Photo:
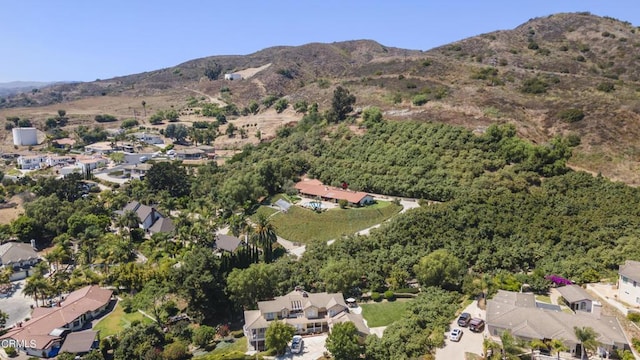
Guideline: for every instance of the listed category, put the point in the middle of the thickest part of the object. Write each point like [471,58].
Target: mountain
[15,87]
[565,74]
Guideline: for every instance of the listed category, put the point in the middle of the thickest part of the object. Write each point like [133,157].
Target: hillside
[562,74]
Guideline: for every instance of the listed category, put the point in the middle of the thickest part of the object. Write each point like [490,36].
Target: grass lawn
[118,320]
[543,298]
[384,313]
[304,225]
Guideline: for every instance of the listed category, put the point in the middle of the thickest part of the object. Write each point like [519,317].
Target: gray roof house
[629,283]
[576,297]
[149,217]
[309,313]
[519,314]
[227,243]
[19,256]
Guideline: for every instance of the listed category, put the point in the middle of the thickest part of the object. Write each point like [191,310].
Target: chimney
[33,244]
[596,309]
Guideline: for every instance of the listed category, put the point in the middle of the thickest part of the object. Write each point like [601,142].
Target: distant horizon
[46,42]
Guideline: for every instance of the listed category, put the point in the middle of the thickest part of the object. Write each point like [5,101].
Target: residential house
[315,189]
[629,283]
[151,139]
[58,160]
[81,342]
[162,225]
[227,243]
[308,312]
[526,319]
[189,154]
[88,164]
[151,220]
[64,143]
[101,148]
[19,256]
[232,76]
[31,162]
[209,151]
[136,171]
[44,334]
[576,298]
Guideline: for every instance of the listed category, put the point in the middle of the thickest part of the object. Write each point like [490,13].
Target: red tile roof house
[314,188]
[43,335]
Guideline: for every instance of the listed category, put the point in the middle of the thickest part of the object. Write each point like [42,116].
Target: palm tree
[557,346]
[144,107]
[489,345]
[35,287]
[128,220]
[588,339]
[265,236]
[537,344]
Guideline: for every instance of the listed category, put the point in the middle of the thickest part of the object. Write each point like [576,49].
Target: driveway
[469,342]
[18,305]
[312,350]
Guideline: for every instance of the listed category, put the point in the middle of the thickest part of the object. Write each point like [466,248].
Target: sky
[84,40]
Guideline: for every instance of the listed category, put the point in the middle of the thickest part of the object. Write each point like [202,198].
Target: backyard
[384,313]
[117,321]
[305,225]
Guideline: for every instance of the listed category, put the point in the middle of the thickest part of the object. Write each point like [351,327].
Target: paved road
[470,341]
[18,305]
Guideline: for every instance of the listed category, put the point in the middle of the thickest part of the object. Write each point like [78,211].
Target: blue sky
[44,40]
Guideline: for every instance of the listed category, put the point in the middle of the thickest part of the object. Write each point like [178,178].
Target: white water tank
[25,136]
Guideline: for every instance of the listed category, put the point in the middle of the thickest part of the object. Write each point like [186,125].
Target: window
[268,316]
[638,300]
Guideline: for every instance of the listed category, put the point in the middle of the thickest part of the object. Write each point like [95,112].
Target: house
[526,319]
[189,154]
[44,334]
[151,220]
[136,171]
[31,162]
[58,160]
[64,143]
[309,313]
[227,243]
[19,256]
[629,283]
[81,342]
[151,139]
[576,298]
[162,225]
[315,189]
[88,164]
[102,148]
[232,76]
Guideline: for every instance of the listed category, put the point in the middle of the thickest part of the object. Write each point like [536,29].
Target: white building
[232,76]
[25,136]
[629,283]
[20,257]
[31,162]
[152,139]
[91,163]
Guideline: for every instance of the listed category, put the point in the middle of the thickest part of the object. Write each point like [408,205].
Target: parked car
[296,344]
[464,319]
[455,335]
[143,159]
[476,325]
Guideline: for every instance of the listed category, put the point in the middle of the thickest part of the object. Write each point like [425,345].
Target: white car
[296,344]
[455,335]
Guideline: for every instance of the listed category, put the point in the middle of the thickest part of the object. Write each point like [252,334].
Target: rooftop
[574,293]
[631,270]
[315,187]
[14,252]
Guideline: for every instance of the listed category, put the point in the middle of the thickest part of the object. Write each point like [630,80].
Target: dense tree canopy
[169,176]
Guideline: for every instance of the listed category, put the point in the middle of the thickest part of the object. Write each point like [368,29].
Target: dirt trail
[211,98]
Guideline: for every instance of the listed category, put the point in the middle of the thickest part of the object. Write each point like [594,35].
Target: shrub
[11,351]
[426,63]
[129,123]
[533,45]
[564,48]
[281,105]
[636,343]
[419,100]
[408,291]
[269,100]
[389,295]
[634,316]
[375,296]
[237,334]
[580,58]
[535,85]
[105,118]
[606,87]
[343,203]
[571,115]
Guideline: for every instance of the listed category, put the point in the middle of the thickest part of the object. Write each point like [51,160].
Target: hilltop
[565,74]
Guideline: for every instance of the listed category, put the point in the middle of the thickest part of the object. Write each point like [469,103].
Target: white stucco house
[20,257]
[629,283]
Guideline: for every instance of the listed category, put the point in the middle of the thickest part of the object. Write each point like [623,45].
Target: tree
[3,319]
[342,342]
[177,132]
[278,335]
[144,108]
[440,268]
[169,176]
[248,286]
[171,115]
[557,346]
[231,129]
[587,338]
[137,341]
[371,116]
[203,335]
[342,103]
[265,236]
[340,275]
[281,105]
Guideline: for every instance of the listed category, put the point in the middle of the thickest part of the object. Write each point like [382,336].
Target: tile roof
[44,321]
[313,187]
[162,225]
[13,252]
[631,270]
[356,319]
[297,300]
[79,342]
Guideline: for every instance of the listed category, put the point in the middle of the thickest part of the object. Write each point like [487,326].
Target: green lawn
[118,320]
[543,298]
[304,225]
[239,346]
[384,313]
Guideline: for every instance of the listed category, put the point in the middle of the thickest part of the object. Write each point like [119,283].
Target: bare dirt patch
[10,213]
[248,73]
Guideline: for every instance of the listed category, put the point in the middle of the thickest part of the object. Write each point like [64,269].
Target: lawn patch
[304,225]
[384,313]
[118,320]
[226,350]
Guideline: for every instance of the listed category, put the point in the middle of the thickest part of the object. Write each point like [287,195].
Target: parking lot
[470,342]
[312,350]
[17,305]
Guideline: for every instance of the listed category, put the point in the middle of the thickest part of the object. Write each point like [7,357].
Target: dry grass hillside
[558,75]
